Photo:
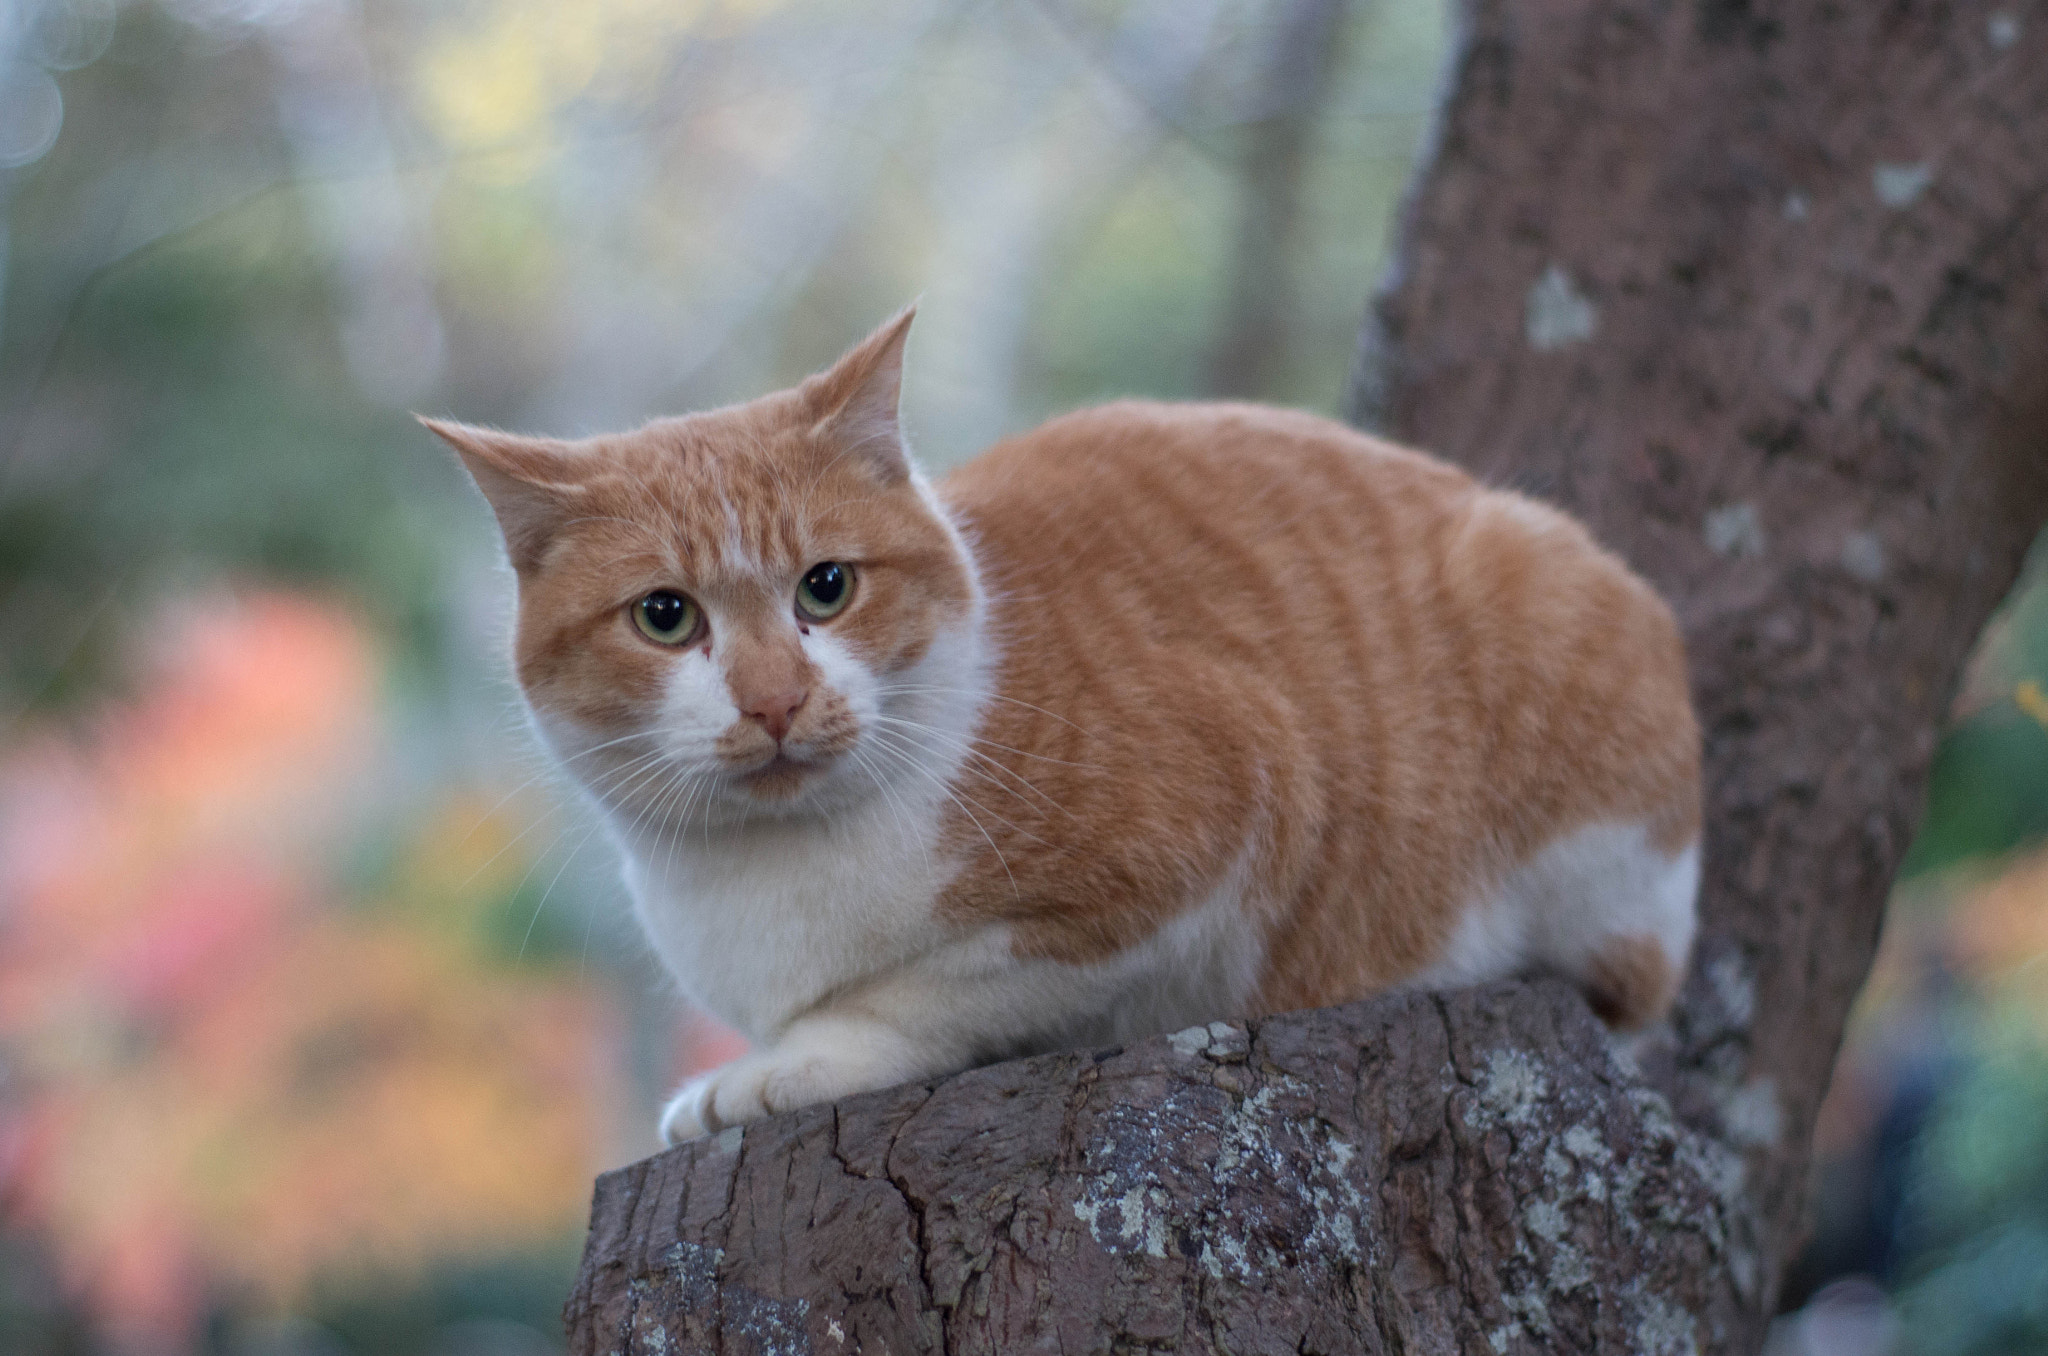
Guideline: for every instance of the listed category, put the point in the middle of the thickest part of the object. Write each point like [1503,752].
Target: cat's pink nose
[775,711]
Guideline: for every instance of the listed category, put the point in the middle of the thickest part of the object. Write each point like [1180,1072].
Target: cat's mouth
[780,777]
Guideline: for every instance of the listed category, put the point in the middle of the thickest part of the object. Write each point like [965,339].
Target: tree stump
[1759,290]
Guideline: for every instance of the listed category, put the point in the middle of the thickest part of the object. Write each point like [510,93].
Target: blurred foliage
[237,1068]
[505,1306]
[1988,790]
[1950,1045]
[1978,1280]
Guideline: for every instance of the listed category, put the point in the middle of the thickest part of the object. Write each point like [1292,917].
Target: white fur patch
[696,706]
[1559,909]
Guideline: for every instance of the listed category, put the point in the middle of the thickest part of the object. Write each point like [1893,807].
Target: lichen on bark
[1477,1171]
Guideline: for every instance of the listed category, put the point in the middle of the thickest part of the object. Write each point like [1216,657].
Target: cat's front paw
[682,1117]
[817,1061]
[747,1089]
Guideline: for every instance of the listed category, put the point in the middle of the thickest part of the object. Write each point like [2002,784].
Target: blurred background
[319,1005]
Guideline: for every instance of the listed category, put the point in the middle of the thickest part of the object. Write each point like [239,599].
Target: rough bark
[1423,1174]
[1761,291]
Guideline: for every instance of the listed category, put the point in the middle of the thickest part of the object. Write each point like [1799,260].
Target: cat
[1157,714]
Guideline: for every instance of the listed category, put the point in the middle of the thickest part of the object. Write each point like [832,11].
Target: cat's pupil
[826,582]
[664,611]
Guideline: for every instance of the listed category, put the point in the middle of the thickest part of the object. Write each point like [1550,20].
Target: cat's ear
[531,483]
[854,400]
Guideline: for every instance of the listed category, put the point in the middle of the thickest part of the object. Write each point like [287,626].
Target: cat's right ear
[530,483]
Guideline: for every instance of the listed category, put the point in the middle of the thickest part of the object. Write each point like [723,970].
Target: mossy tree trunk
[1761,291]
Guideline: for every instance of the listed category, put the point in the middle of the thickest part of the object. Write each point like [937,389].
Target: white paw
[816,1061]
[747,1089]
[683,1116]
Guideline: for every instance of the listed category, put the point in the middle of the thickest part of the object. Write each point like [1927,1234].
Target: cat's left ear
[855,399]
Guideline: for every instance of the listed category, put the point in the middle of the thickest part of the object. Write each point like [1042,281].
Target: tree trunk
[1761,291]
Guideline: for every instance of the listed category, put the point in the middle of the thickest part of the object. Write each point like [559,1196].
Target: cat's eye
[825,590]
[667,618]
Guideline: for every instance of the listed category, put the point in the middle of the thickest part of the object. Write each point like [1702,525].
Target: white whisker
[948,794]
[966,748]
[895,689]
[612,776]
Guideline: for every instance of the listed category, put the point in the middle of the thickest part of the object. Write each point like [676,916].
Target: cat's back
[1285,543]
[1201,519]
[1227,515]
[1235,614]
[1139,475]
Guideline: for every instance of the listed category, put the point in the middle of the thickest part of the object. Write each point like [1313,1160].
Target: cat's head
[721,615]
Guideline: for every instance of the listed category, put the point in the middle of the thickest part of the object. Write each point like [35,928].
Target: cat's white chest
[758,923]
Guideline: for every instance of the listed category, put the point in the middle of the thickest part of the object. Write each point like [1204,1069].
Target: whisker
[947,792]
[965,769]
[667,777]
[613,518]
[967,749]
[661,556]
[581,843]
[612,777]
[905,748]
[661,760]
[656,813]
[692,782]
[547,764]
[894,689]
[896,806]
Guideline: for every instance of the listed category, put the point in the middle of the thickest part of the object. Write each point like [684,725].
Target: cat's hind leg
[1602,906]
[1615,914]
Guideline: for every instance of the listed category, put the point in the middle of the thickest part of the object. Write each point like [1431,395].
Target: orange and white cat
[1153,715]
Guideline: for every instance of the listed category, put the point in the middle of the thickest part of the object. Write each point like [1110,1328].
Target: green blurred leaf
[1987,793]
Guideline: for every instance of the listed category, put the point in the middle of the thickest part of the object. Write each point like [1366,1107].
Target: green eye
[667,618]
[825,590]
